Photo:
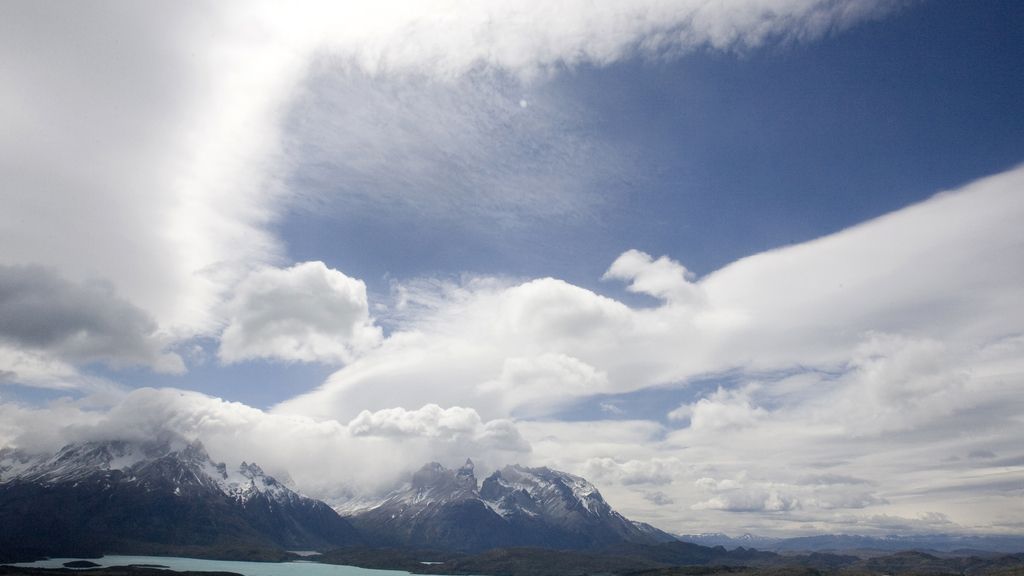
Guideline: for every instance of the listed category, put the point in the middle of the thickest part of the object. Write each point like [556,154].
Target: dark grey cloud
[41,312]
[659,498]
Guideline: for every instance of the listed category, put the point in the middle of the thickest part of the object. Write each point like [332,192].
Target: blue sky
[650,243]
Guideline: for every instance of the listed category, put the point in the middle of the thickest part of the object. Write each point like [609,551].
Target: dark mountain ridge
[956,544]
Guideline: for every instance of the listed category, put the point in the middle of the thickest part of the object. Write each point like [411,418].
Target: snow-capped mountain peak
[249,481]
[517,489]
[156,485]
[76,462]
[186,465]
[516,505]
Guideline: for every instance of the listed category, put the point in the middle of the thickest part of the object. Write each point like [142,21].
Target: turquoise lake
[245,568]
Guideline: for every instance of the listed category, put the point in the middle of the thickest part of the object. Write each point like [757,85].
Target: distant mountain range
[945,543]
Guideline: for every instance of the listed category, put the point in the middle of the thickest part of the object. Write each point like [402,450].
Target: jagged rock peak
[195,450]
[251,470]
[433,476]
[465,474]
[518,489]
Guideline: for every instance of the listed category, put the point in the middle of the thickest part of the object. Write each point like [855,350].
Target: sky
[748,266]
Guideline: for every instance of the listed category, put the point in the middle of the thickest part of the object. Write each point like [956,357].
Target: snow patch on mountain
[76,462]
[543,491]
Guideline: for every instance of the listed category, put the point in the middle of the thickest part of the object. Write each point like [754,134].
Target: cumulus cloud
[895,382]
[770,501]
[432,421]
[662,278]
[307,312]
[722,409]
[505,347]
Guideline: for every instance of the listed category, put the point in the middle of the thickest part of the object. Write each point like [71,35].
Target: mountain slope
[515,506]
[120,495]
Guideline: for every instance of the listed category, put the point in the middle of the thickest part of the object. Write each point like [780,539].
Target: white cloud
[449,39]
[336,461]
[656,471]
[544,377]
[723,409]
[662,278]
[129,160]
[308,312]
[838,303]
[749,502]
[503,347]
[432,421]
[863,354]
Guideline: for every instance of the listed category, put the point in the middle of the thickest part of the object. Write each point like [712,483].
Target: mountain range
[170,497]
[943,543]
[134,496]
